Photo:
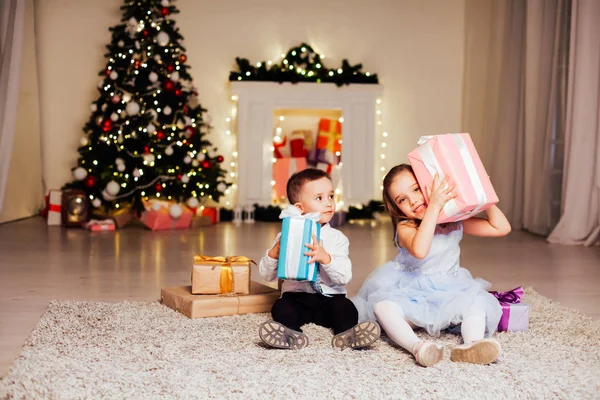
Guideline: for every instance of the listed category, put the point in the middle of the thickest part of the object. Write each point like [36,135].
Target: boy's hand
[274,252]
[317,253]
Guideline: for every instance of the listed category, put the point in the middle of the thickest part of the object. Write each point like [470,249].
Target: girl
[425,286]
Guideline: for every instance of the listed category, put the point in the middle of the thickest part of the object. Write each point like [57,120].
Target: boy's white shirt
[334,276]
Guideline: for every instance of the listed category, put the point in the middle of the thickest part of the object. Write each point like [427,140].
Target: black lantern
[75,208]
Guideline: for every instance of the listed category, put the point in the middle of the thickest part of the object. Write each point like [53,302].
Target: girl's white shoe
[484,351]
[428,353]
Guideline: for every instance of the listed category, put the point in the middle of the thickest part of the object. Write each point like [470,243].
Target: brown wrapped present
[220,275]
[180,298]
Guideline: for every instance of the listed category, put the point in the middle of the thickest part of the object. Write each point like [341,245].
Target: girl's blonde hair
[390,206]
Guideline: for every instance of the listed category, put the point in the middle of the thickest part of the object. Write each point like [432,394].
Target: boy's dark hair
[299,179]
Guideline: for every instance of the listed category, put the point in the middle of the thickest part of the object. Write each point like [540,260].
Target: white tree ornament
[175,211]
[162,38]
[132,108]
[193,202]
[112,188]
[79,173]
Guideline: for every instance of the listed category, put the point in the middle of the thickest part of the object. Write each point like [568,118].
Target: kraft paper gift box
[156,216]
[54,208]
[283,168]
[515,315]
[199,221]
[221,275]
[296,232]
[454,155]
[180,298]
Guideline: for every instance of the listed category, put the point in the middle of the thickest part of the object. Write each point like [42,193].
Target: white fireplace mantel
[257,102]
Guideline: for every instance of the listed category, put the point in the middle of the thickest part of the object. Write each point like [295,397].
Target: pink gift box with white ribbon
[454,155]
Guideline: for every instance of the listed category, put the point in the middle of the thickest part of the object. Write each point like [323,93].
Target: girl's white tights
[391,317]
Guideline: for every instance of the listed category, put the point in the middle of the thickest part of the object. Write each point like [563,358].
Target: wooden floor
[39,264]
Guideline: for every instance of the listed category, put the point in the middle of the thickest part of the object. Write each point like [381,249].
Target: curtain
[11,38]
[580,220]
[23,194]
[511,102]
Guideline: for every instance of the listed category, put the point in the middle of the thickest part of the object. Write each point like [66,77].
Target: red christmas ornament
[158,187]
[183,58]
[160,135]
[137,63]
[164,11]
[205,164]
[220,159]
[146,150]
[107,72]
[106,125]
[115,99]
[179,176]
[185,109]
[169,86]
[178,92]
[145,32]
[170,68]
[90,181]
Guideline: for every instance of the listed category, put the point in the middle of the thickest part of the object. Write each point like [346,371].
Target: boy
[323,302]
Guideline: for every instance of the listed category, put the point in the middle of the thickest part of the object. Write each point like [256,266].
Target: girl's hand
[439,193]
[317,253]
[274,252]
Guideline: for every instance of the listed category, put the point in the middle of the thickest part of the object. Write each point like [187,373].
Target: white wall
[415,46]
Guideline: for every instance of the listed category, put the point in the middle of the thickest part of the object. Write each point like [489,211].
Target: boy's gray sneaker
[359,336]
[279,336]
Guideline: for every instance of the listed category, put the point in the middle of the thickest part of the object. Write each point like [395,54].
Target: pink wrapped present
[159,216]
[515,315]
[97,225]
[454,155]
[283,168]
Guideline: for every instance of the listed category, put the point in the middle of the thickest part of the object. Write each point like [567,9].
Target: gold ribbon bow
[226,278]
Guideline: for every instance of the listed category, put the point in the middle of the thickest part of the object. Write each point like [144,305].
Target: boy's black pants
[295,309]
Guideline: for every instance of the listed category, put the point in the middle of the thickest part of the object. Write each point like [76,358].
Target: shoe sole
[481,352]
[431,356]
[279,336]
[359,336]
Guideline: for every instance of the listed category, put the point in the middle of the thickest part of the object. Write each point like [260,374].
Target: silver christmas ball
[153,77]
[120,167]
[156,206]
[120,43]
[114,117]
[96,203]
[169,151]
[201,156]
[195,163]
[167,110]
[187,159]
[84,141]
[93,107]
[136,173]
[221,187]
[114,75]
[151,128]
[175,76]
[185,178]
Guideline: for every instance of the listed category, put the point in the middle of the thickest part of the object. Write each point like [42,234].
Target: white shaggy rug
[147,351]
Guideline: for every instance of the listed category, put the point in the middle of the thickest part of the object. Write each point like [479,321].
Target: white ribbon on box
[432,165]
[294,249]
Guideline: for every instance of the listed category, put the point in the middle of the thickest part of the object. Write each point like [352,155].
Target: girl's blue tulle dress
[435,292]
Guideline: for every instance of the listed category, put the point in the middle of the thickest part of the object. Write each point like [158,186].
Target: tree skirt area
[83,349]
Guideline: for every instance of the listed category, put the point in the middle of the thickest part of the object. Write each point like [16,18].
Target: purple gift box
[515,315]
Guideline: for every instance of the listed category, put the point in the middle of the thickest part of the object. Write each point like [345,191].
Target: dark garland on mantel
[301,64]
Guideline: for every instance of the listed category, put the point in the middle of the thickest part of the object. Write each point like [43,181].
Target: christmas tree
[146,137]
